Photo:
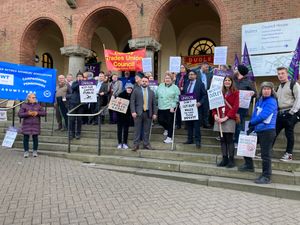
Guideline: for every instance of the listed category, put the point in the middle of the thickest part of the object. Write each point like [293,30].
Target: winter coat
[31,125]
[121,117]
[233,99]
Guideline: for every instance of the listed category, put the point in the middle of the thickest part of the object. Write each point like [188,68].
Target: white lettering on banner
[6,79]
[118,104]
[247,145]
[189,109]
[215,98]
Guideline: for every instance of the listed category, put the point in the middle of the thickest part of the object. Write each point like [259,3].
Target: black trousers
[76,122]
[287,122]
[123,128]
[63,110]
[35,141]
[166,120]
[265,139]
[204,113]
[193,130]
[227,145]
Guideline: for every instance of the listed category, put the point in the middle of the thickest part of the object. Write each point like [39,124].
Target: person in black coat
[124,120]
[196,87]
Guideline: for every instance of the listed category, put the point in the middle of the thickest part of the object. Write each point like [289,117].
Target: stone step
[279,177]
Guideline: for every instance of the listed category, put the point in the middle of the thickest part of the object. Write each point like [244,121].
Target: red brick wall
[17,17]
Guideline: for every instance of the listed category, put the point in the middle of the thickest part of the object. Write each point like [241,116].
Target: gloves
[250,130]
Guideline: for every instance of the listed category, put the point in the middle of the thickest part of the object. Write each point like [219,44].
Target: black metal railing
[13,108]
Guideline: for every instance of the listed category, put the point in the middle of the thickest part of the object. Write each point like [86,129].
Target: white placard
[3,116]
[215,98]
[147,65]
[220,56]
[271,37]
[247,145]
[245,99]
[189,110]
[174,64]
[87,90]
[10,137]
[217,82]
[118,104]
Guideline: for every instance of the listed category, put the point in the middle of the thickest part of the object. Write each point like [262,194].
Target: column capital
[144,42]
[75,50]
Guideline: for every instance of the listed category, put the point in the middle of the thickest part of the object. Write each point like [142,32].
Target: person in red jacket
[227,120]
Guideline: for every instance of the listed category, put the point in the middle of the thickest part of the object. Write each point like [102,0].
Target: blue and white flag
[17,81]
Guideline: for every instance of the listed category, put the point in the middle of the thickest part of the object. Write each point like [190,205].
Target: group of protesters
[275,110]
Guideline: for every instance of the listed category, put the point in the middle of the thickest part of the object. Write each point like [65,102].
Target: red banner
[119,61]
[195,60]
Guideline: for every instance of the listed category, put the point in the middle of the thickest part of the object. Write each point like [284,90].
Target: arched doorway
[41,43]
[105,27]
[182,23]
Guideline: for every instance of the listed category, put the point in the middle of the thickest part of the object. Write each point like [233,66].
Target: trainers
[26,154]
[235,145]
[286,157]
[34,154]
[218,138]
[165,133]
[168,140]
[119,146]
[263,180]
[125,146]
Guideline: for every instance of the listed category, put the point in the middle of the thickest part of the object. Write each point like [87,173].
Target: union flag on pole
[246,62]
[294,66]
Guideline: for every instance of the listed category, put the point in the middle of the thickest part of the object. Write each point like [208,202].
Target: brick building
[62,33]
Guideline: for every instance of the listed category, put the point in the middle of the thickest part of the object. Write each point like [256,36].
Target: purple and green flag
[246,62]
[294,66]
[236,62]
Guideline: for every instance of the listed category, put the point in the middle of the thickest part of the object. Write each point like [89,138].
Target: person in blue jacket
[263,122]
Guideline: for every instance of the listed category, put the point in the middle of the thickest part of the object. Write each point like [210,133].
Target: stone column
[149,43]
[77,57]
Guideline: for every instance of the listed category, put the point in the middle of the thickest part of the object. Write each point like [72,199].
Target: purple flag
[236,62]
[294,66]
[246,62]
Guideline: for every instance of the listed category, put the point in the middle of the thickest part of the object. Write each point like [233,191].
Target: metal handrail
[6,100]
[70,114]
[14,112]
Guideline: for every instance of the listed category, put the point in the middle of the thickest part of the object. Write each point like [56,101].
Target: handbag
[237,116]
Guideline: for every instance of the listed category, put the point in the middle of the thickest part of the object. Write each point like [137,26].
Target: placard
[3,116]
[220,56]
[147,65]
[118,104]
[87,90]
[174,64]
[215,98]
[217,82]
[153,85]
[188,107]
[10,137]
[245,99]
[247,145]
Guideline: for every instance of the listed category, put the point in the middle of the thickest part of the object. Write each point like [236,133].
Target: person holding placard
[115,88]
[226,118]
[30,113]
[124,120]
[263,122]
[196,87]
[167,95]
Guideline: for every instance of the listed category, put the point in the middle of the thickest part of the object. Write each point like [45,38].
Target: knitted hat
[267,84]
[140,74]
[243,70]
[128,85]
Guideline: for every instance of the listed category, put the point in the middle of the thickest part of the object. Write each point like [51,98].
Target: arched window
[202,46]
[47,61]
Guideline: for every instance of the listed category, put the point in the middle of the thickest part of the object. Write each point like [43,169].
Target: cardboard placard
[247,145]
[10,137]
[87,89]
[118,104]
[217,82]
[215,98]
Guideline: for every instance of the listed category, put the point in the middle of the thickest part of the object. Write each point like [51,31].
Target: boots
[224,162]
[231,162]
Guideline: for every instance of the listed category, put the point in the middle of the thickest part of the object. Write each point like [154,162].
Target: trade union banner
[195,60]
[17,81]
[119,61]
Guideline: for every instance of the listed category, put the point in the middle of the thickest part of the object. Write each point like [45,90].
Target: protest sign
[247,145]
[153,85]
[3,116]
[215,98]
[174,64]
[220,56]
[87,90]
[245,99]
[118,104]
[119,61]
[147,65]
[188,107]
[217,82]
[17,81]
[10,137]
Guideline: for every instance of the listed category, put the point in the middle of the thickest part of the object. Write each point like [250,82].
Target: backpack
[292,84]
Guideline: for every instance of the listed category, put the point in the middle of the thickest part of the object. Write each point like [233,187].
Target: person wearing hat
[123,120]
[263,122]
[242,82]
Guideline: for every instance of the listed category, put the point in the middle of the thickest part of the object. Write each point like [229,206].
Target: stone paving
[54,191]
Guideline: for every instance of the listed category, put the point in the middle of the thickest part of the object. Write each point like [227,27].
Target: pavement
[52,191]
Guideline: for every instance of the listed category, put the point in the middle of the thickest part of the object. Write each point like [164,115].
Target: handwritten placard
[247,145]
[188,107]
[10,137]
[215,98]
[87,90]
[220,56]
[174,64]
[118,104]
[147,65]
